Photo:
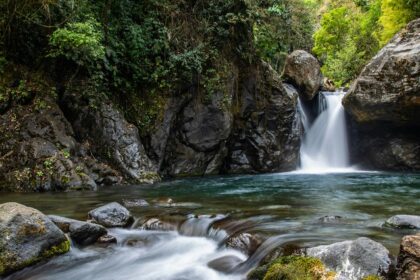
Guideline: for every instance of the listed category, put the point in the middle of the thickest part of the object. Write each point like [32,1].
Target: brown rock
[408,266]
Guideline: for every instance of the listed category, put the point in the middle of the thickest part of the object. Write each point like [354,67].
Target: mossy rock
[292,268]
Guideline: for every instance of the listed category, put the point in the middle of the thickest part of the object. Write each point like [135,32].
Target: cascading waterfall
[325,144]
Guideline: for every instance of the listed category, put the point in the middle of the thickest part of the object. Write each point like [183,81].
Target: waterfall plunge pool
[284,208]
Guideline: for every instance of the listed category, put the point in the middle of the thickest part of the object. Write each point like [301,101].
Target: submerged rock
[408,266]
[404,221]
[304,72]
[82,233]
[106,239]
[26,237]
[331,219]
[112,215]
[354,259]
[135,203]
[225,264]
[244,242]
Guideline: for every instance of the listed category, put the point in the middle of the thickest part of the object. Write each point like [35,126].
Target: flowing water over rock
[325,143]
[286,211]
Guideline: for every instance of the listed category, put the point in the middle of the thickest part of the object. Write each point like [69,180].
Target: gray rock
[244,242]
[408,266]
[304,72]
[107,239]
[135,203]
[353,260]
[330,219]
[225,264]
[111,215]
[404,221]
[26,237]
[81,233]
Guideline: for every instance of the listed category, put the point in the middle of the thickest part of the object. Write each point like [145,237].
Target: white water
[325,143]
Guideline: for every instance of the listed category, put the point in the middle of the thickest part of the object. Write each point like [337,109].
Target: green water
[275,203]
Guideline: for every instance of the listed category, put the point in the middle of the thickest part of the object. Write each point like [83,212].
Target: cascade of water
[325,144]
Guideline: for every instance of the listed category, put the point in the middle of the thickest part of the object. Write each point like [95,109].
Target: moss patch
[62,248]
[293,268]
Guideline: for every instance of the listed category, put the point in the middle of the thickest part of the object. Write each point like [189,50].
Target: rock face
[82,233]
[38,151]
[111,138]
[111,215]
[27,237]
[404,221]
[354,259]
[304,72]
[408,267]
[384,104]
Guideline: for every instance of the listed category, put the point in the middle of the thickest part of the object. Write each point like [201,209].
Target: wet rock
[330,219]
[26,237]
[164,202]
[354,259]
[82,233]
[135,203]
[408,266]
[328,85]
[157,224]
[404,221]
[107,239]
[388,88]
[225,264]
[303,71]
[112,215]
[244,242]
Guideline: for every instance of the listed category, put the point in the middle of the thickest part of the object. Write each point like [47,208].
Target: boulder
[303,71]
[245,242]
[82,233]
[408,266]
[111,215]
[26,237]
[404,221]
[384,106]
[388,88]
[354,259]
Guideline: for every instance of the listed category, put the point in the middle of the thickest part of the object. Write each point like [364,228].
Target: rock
[388,88]
[408,266]
[266,130]
[225,264]
[112,215]
[354,259]
[244,242]
[404,221]
[384,106]
[157,224]
[303,71]
[328,85]
[135,203]
[107,239]
[112,138]
[82,233]
[26,237]
[330,219]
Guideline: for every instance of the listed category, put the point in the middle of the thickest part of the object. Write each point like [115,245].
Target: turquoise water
[273,205]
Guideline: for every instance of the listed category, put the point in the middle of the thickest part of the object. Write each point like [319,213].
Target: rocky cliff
[384,105]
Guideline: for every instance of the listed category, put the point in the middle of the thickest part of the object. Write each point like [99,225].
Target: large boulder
[26,237]
[304,72]
[111,215]
[408,266]
[82,233]
[384,106]
[404,221]
[354,259]
[388,88]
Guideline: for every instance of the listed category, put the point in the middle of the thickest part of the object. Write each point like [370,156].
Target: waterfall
[325,143]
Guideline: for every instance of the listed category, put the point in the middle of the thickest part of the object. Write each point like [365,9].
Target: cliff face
[384,104]
[72,142]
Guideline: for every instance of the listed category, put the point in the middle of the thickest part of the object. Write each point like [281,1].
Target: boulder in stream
[111,215]
[26,237]
[404,221]
[354,259]
[82,233]
[245,242]
[408,267]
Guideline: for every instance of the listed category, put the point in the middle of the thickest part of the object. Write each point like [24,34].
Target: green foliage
[80,42]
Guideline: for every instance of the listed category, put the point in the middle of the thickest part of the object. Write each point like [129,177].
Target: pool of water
[284,208]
